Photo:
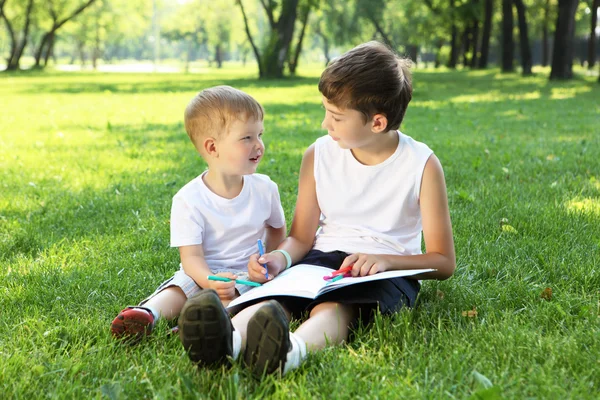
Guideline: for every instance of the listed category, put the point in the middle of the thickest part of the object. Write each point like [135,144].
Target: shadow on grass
[140,84]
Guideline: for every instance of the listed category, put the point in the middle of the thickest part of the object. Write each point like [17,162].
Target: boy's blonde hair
[370,79]
[211,111]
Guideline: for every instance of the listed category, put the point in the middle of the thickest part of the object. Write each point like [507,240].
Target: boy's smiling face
[347,126]
[239,151]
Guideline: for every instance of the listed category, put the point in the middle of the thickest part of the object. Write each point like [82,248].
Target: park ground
[89,163]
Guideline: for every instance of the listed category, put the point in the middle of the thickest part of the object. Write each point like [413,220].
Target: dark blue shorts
[387,295]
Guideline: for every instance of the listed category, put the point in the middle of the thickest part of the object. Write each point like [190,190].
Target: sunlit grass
[587,206]
[89,163]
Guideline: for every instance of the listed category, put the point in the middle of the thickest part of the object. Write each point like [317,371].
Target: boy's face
[346,126]
[241,148]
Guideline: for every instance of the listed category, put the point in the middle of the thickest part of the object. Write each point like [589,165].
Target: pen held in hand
[261,252]
[240,281]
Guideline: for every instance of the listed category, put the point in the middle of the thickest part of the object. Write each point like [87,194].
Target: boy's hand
[225,290]
[257,272]
[365,264]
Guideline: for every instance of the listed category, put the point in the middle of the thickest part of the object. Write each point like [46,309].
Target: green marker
[335,279]
[240,281]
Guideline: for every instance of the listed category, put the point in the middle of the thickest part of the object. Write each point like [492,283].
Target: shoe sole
[268,340]
[205,329]
[131,329]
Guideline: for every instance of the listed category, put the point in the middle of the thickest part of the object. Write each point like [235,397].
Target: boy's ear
[210,147]
[379,123]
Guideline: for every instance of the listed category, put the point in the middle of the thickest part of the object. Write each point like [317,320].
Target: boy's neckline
[383,161]
[221,193]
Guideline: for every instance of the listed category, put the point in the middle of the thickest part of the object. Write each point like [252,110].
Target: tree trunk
[523,38]
[11,34]
[592,41]
[413,52]
[487,33]
[276,50]
[80,48]
[453,39]
[545,41]
[56,25]
[249,35]
[466,45]
[475,43]
[96,50]
[40,50]
[188,56]
[18,47]
[293,63]
[438,50]
[381,32]
[218,56]
[325,46]
[49,49]
[507,36]
[562,54]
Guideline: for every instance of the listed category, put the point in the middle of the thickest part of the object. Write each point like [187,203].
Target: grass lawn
[89,163]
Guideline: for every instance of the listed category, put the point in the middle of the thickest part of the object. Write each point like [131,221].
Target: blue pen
[261,252]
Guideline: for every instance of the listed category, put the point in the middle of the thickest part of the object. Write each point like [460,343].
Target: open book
[304,280]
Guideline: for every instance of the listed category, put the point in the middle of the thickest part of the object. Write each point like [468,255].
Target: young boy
[218,217]
[374,192]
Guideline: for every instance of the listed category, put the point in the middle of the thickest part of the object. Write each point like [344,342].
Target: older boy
[374,192]
[218,217]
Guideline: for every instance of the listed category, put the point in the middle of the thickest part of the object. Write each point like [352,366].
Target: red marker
[342,270]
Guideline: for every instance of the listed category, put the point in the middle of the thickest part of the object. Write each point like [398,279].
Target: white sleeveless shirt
[370,209]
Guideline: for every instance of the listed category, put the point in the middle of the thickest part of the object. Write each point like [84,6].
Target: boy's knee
[333,307]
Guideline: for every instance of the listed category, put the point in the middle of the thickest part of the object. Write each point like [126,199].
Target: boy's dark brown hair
[371,79]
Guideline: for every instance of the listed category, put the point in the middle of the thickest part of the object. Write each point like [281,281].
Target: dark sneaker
[205,329]
[268,340]
[132,324]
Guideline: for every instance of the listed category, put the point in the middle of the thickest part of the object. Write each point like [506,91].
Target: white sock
[154,313]
[236,338]
[296,355]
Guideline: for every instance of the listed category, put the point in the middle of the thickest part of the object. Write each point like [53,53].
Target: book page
[382,275]
[301,280]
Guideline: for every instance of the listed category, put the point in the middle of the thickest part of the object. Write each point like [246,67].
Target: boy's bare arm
[437,234]
[195,266]
[274,237]
[305,222]
[307,212]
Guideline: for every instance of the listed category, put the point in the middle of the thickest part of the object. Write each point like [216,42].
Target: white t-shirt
[227,229]
[370,209]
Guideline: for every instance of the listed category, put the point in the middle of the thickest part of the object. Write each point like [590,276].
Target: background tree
[507,37]
[595,7]
[562,54]
[305,8]
[545,35]
[18,42]
[186,26]
[271,58]
[486,34]
[60,12]
[107,30]
[526,61]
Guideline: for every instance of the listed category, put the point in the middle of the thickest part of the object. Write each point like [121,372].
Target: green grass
[88,166]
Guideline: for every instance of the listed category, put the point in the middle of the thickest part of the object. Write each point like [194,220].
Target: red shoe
[132,324]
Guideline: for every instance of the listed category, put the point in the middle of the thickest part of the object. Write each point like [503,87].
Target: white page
[304,280]
[381,275]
